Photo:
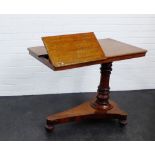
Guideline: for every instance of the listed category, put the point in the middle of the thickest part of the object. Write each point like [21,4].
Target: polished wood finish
[86,111]
[102,98]
[100,107]
[66,50]
[78,50]
[113,51]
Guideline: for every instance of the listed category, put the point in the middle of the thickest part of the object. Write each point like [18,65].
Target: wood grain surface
[113,51]
[114,48]
[65,50]
[77,50]
[85,111]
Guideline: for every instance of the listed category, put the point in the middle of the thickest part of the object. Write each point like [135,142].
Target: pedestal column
[102,98]
[96,108]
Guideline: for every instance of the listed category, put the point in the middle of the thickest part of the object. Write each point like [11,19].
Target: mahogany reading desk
[83,49]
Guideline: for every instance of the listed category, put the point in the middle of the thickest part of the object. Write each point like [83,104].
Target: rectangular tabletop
[112,51]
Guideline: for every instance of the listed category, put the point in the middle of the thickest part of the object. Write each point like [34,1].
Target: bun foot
[123,122]
[49,128]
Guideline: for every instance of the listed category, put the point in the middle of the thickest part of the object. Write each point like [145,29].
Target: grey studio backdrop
[21,74]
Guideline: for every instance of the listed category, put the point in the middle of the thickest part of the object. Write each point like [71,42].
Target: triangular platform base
[86,111]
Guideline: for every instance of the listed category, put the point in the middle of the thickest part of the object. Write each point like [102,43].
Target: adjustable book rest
[77,50]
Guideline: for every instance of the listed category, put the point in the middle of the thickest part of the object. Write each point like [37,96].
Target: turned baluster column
[102,98]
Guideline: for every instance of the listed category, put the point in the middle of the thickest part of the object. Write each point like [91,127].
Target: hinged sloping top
[73,49]
[77,50]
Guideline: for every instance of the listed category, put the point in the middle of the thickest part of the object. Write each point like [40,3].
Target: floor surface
[23,118]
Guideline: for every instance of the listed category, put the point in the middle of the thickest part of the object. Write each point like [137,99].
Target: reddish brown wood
[86,111]
[100,107]
[102,99]
[78,50]
[113,51]
[72,49]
